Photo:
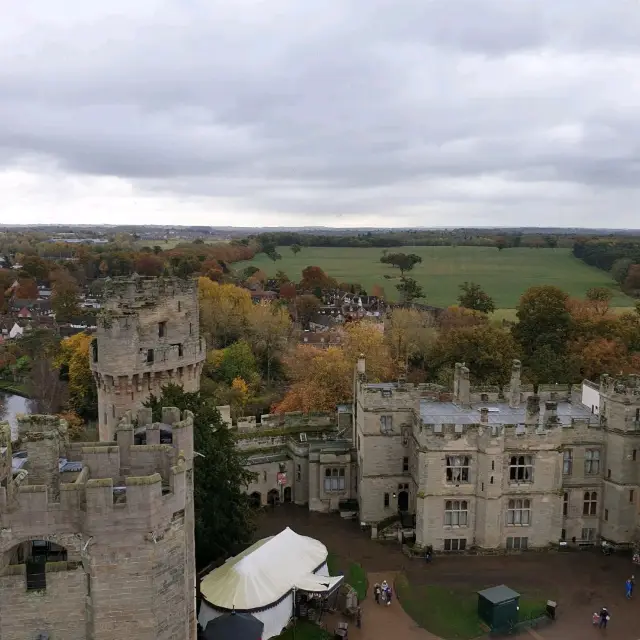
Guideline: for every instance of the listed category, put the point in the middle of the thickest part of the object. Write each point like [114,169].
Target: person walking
[604,618]
[385,592]
[628,587]
[376,592]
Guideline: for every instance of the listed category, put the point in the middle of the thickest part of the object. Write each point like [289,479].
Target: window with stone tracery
[521,469]
[458,469]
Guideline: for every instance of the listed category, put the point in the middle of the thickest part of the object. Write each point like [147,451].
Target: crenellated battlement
[621,387]
[442,436]
[80,487]
[142,291]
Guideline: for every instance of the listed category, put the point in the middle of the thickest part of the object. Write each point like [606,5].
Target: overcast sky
[308,112]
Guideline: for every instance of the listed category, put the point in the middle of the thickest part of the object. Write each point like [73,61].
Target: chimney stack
[550,415]
[456,381]
[484,415]
[362,365]
[514,388]
[464,387]
[532,414]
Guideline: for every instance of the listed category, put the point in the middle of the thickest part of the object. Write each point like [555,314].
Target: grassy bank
[505,275]
[16,388]
[452,614]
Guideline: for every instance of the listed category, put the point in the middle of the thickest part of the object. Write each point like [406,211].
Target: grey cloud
[317,108]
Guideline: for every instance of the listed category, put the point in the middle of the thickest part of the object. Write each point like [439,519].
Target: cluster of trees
[85,263]
[247,343]
[558,338]
[620,257]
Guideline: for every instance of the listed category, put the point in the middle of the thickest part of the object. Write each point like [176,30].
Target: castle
[96,539]
[148,336]
[489,468]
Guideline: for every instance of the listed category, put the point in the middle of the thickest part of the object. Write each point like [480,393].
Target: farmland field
[505,275]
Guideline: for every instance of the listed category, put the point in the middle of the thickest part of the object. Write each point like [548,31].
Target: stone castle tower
[96,539]
[620,418]
[148,336]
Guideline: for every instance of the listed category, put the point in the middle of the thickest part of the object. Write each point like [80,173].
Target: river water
[10,406]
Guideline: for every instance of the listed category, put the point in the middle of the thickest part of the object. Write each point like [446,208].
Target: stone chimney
[514,387]
[550,418]
[464,387]
[362,365]
[532,414]
[456,381]
[484,415]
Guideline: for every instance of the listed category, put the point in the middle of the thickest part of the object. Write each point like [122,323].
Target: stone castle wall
[130,565]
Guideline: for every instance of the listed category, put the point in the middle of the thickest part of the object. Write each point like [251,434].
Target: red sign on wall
[282,478]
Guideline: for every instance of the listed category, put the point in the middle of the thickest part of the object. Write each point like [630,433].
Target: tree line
[500,239]
[619,256]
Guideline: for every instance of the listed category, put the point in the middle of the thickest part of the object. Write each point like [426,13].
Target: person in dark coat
[604,617]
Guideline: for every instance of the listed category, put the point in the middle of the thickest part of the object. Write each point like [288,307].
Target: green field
[505,275]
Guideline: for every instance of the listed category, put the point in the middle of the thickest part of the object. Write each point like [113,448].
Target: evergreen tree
[224,518]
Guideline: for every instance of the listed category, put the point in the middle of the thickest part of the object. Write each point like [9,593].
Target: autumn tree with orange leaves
[322,378]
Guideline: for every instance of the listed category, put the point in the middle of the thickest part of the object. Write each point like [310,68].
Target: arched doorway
[403,501]
[255,499]
[273,497]
[287,494]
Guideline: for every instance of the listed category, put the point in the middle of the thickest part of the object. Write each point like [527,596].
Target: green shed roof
[498,595]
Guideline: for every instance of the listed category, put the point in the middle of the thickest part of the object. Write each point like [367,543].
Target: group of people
[382,593]
[601,619]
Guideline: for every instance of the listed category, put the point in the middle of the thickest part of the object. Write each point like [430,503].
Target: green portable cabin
[498,606]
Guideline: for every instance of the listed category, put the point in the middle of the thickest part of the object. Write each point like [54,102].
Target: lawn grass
[451,614]
[355,575]
[16,388]
[505,275]
[357,578]
[305,630]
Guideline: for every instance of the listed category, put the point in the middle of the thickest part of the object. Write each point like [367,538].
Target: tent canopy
[234,626]
[267,571]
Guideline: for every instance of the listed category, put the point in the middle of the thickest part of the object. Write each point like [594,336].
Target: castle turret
[148,336]
[620,418]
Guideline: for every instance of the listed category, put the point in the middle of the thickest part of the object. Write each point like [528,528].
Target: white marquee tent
[263,579]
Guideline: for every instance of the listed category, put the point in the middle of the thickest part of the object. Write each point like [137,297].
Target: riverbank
[16,388]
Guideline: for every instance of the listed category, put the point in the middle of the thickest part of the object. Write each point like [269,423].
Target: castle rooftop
[498,413]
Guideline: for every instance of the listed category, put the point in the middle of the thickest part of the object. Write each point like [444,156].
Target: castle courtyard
[580,582]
